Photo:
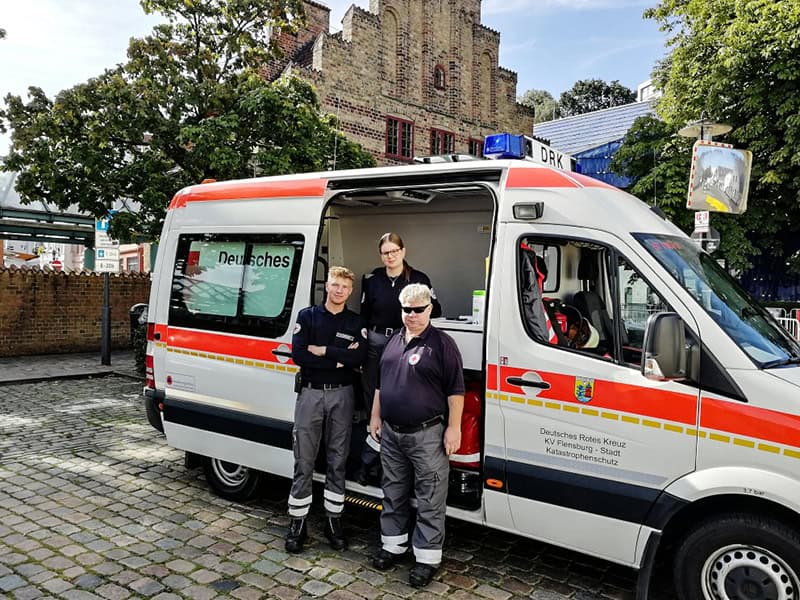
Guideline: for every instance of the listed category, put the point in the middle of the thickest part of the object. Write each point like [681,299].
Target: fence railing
[792,325]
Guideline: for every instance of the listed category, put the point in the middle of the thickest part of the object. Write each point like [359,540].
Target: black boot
[421,574]
[296,535]
[334,533]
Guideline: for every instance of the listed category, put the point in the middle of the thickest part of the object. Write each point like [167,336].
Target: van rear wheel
[229,480]
[739,556]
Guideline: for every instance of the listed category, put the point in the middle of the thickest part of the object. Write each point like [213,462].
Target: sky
[550,44]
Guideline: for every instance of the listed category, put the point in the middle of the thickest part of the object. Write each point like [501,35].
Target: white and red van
[678,429]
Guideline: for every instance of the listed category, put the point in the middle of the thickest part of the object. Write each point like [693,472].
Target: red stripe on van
[245,190]
[214,343]
[587,181]
[533,177]
[750,421]
[634,399]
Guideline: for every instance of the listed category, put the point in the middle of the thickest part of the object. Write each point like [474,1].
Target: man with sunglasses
[416,415]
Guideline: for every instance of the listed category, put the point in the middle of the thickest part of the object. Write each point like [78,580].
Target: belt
[415,428]
[387,331]
[324,386]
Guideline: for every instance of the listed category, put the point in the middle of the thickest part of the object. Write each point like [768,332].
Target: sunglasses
[417,309]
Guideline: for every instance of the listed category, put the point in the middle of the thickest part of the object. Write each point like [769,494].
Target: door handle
[542,385]
[282,353]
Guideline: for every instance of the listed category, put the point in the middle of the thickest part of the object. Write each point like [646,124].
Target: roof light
[504,145]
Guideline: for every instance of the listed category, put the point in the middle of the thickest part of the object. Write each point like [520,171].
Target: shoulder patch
[368,275]
[297,328]
[364,332]
[433,294]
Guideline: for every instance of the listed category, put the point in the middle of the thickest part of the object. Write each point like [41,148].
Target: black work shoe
[334,533]
[384,560]
[296,536]
[421,574]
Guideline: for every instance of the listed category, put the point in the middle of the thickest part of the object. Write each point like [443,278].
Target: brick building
[407,77]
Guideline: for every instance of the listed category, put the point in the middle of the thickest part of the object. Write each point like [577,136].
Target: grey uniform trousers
[315,410]
[414,461]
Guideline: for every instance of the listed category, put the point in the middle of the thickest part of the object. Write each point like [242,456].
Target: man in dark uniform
[416,414]
[329,341]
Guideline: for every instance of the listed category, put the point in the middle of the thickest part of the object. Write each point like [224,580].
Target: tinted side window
[235,283]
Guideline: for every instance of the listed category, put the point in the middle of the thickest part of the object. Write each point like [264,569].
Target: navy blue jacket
[380,298]
[316,326]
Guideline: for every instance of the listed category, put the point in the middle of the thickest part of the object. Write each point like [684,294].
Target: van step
[363,501]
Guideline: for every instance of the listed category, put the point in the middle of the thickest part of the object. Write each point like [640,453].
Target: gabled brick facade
[429,63]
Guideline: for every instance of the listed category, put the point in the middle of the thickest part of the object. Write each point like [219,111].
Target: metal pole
[105,323]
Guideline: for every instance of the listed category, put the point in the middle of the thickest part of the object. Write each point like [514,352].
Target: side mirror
[664,357]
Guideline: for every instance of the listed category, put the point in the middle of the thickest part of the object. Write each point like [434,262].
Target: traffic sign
[107,253]
[702,221]
[106,266]
[56,265]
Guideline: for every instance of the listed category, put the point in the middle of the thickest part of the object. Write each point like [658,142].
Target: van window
[638,300]
[235,283]
[578,312]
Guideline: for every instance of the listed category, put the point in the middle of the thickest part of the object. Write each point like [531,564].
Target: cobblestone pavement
[94,504]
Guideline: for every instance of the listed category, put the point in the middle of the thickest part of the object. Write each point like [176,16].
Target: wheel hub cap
[748,573]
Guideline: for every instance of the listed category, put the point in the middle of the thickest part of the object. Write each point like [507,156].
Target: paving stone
[111,591]
[284,593]
[204,576]
[146,586]
[259,581]
[266,566]
[88,581]
[199,592]
[11,582]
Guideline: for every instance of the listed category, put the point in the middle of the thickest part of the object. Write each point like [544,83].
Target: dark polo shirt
[415,379]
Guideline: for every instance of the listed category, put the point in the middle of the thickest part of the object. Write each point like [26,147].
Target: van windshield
[745,321]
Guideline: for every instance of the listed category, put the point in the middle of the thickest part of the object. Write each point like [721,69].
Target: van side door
[590,443]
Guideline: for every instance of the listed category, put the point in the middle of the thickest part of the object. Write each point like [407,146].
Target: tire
[153,414]
[229,480]
[739,556]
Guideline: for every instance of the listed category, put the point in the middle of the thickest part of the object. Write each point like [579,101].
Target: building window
[132,264]
[441,142]
[399,138]
[438,77]
[476,147]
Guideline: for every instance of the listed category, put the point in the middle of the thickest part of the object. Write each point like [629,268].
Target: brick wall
[42,312]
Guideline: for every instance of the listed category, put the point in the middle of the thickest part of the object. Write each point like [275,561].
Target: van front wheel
[738,557]
[229,480]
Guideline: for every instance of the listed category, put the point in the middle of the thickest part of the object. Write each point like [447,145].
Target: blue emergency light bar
[504,145]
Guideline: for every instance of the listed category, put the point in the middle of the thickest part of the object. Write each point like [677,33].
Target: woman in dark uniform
[380,308]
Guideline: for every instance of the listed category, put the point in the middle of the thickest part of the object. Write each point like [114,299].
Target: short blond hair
[415,292]
[341,273]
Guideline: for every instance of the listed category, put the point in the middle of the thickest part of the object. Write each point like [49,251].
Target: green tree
[737,61]
[188,105]
[545,107]
[589,95]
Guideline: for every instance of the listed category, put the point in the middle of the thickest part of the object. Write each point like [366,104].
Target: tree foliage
[188,105]
[737,62]
[545,107]
[588,95]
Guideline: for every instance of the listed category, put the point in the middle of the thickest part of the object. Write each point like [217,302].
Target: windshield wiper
[782,362]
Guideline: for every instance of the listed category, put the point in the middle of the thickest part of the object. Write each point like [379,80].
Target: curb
[71,376]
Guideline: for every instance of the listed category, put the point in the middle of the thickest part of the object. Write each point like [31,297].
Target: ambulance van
[672,430]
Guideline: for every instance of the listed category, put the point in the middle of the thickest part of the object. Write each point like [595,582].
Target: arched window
[438,77]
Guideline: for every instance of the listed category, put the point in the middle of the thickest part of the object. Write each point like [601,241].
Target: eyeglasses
[391,252]
[417,309]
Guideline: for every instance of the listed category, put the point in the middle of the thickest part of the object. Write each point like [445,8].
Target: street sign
[702,221]
[106,266]
[56,265]
[107,253]
[707,240]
